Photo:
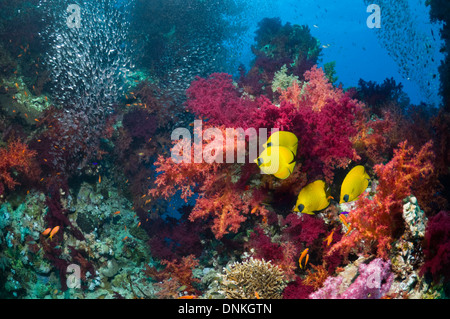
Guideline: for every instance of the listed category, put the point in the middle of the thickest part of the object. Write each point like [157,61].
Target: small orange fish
[254,210]
[329,238]
[26,115]
[46,98]
[26,94]
[46,232]
[343,220]
[99,179]
[17,85]
[265,220]
[349,229]
[257,295]
[188,297]
[117,213]
[139,224]
[53,232]
[304,253]
[36,120]
[125,238]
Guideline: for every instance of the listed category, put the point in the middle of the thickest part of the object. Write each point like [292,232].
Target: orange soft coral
[223,189]
[16,157]
[377,221]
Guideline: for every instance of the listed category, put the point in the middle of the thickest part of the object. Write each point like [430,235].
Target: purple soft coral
[373,282]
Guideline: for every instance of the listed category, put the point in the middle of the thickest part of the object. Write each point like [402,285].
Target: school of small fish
[413,44]
[88,64]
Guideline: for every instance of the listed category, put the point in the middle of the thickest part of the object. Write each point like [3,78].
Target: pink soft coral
[318,89]
[323,117]
[373,282]
[376,220]
[220,102]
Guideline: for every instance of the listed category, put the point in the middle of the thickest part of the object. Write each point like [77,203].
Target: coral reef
[127,151]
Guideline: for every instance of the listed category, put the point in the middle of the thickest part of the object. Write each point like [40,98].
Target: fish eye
[346,198]
[269,144]
[301,207]
[260,161]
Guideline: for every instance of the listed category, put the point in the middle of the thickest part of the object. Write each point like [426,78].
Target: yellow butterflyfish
[283,138]
[276,160]
[313,197]
[354,184]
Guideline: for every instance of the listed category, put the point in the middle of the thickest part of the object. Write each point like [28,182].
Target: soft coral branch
[223,193]
[16,157]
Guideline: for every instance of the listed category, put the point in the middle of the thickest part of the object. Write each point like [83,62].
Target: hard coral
[253,279]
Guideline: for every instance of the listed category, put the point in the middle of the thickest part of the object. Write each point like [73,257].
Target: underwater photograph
[224,150]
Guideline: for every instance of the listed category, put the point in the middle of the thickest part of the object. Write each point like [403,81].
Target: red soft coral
[222,189]
[437,247]
[175,275]
[377,220]
[323,117]
[218,100]
[281,254]
[16,157]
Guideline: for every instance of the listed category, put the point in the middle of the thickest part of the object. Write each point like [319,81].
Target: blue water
[354,47]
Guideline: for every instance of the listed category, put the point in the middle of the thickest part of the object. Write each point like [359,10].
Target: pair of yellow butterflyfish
[278,159]
[278,156]
[315,196]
